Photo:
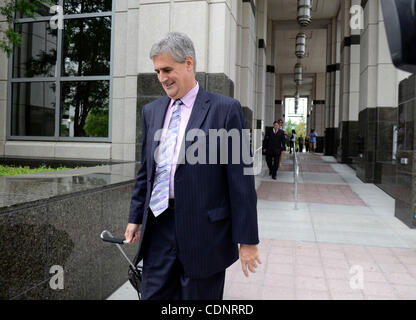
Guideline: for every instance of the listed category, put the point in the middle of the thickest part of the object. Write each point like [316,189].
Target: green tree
[9,37]
[96,124]
[301,128]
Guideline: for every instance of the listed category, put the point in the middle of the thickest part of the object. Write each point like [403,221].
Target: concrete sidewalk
[343,241]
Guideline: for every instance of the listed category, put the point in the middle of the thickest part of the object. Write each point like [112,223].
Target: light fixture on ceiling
[300,45]
[297,100]
[298,74]
[304,12]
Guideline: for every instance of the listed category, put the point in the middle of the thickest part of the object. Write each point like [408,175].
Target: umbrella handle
[112,239]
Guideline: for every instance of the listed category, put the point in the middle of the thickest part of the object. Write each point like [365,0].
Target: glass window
[42,11]
[87,6]
[33,109]
[86,47]
[85,107]
[37,55]
[84,53]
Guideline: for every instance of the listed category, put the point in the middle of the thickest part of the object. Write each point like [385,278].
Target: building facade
[77,92]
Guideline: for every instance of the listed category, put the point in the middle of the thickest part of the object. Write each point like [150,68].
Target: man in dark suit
[192,216]
[274,145]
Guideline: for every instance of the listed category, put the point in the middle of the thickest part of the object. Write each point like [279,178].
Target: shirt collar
[189,98]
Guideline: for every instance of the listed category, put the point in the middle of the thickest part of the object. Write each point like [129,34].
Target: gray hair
[176,44]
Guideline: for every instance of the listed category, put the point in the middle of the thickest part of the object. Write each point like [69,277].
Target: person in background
[313,140]
[292,141]
[274,148]
[300,142]
[307,143]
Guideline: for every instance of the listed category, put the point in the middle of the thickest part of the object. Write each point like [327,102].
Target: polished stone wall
[406,153]
[149,89]
[330,141]
[56,219]
[347,142]
[376,131]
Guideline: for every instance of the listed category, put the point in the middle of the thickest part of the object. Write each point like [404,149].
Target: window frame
[58,79]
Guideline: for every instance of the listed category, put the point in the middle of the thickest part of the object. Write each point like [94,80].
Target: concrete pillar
[225,43]
[378,101]
[349,85]
[269,116]
[125,69]
[332,68]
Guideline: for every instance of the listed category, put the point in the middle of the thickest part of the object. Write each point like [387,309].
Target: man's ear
[189,62]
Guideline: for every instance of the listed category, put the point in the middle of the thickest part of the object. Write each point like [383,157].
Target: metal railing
[295,176]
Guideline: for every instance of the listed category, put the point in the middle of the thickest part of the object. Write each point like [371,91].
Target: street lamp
[304,12]
[298,74]
[300,45]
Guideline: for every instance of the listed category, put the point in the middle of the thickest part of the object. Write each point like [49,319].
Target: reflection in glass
[405,127]
[37,54]
[87,6]
[42,11]
[86,47]
[84,109]
[33,109]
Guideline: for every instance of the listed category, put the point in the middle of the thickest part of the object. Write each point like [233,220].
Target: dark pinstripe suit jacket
[215,204]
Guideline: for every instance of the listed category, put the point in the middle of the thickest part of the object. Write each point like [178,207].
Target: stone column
[349,86]
[224,41]
[123,119]
[378,99]
[260,82]
[332,68]
[269,116]
[318,122]
[4,62]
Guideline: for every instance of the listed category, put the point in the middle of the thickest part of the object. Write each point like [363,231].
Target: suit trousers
[272,161]
[163,277]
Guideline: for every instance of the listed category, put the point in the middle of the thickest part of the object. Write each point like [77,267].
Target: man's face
[276,126]
[176,78]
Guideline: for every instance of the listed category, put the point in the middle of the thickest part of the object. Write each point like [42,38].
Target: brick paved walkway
[319,193]
[343,243]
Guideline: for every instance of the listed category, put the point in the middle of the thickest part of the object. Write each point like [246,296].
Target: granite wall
[406,153]
[56,219]
[347,150]
[330,141]
[376,130]
[149,89]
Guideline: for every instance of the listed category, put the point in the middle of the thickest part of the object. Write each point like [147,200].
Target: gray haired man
[196,219]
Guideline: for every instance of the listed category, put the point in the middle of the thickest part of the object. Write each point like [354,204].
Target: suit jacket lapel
[198,114]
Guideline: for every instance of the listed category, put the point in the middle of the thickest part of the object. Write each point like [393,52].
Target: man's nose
[162,77]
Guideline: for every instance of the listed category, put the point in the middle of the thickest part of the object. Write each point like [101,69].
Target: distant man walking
[274,147]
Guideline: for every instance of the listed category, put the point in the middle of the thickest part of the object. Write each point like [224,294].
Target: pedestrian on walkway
[275,146]
[192,215]
[300,142]
[313,140]
[292,141]
[307,143]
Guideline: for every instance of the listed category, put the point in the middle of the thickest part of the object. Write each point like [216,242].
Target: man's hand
[248,256]
[132,234]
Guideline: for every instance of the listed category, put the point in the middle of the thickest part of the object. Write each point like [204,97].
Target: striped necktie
[159,200]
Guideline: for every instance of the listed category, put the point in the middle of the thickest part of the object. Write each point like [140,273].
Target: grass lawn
[12,170]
